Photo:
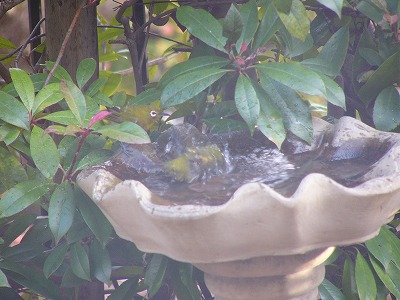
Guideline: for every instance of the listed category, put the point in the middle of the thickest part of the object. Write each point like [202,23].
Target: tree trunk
[83,40]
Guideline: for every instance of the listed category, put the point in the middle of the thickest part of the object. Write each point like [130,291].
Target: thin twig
[146,37]
[27,42]
[19,47]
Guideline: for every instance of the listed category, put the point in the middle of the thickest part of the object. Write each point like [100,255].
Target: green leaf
[22,195]
[331,58]
[24,86]
[75,100]
[283,5]
[372,9]
[112,83]
[47,96]
[96,86]
[190,66]
[334,93]
[330,292]
[3,280]
[295,76]
[6,44]
[100,262]
[17,227]
[233,24]
[296,22]
[60,73]
[80,262]
[146,97]
[189,85]
[217,125]
[270,121]
[126,132]
[349,280]
[125,290]
[293,46]
[44,152]
[386,113]
[270,23]
[61,210]
[247,101]
[334,5]
[64,117]
[55,259]
[294,110]
[249,14]
[371,56]
[365,280]
[13,112]
[85,71]
[391,285]
[11,170]
[94,218]
[93,158]
[155,273]
[384,76]
[202,25]
[385,247]
[9,133]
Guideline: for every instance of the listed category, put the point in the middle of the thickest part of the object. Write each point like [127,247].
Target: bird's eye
[153,114]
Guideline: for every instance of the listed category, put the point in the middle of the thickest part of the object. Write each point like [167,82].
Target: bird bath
[262,243]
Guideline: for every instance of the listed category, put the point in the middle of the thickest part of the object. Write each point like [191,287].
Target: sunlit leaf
[365,280]
[330,292]
[270,23]
[60,73]
[349,280]
[126,132]
[296,21]
[11,170]
[334,5]
[391,285]
[3,280]
[75,100]
[93,158]
[47,96]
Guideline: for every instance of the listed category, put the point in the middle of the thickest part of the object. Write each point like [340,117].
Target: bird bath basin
[263,242]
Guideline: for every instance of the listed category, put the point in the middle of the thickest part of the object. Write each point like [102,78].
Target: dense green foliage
[267,63]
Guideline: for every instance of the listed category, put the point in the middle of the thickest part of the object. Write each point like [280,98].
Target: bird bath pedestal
[260,244]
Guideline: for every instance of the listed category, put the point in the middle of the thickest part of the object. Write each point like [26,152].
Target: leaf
[202,25]
[233,24]
[247,101]
[61,210]
[296,22]
[11,170]
[155,273]
[249,15]
[334,5]
[365,280]
[24,86]
[80,261]
[189,85]
[386,114]
[60,73]
[13,112]
[294,111]
[47,96]
[22,195]
[329,292]
[270,121]
[217,125]
[94,218]
[3,280]
[6,44]
[270,23]
[295,76]
[93,158]
[293,46]
[126,132]
[44,152]
[334,93]
[18,226]
[385,247]
[101,115]
[85,71]
[112,83]
[371,10]
[100,262]
[125,290]
[349,281]
[384,76]
[75,100]
[146,97]
[190,66]
[55,259]
[371,56]
[331,58]
[392,286]
[9,133]
[64,117]
[96,86]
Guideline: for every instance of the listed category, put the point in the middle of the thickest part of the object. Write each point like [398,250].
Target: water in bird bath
[246,159]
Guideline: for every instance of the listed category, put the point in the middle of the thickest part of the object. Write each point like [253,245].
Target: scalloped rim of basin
[256,220]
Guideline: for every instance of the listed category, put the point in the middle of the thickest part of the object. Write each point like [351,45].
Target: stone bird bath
[260,244]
